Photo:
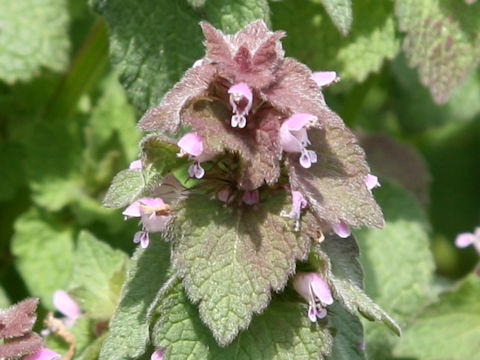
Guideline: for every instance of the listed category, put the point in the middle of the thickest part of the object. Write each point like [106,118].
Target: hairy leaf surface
[33,35]
[449,328]
[98,274]
[129,328]
[232,258]
[442,40]
[402,244]
[283,332]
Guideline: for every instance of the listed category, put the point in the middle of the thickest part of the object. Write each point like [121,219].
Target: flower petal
[371,181]
[325,78]
[133,210]
[320,289]
[191,144]
[158,354]
[251,197]
[341,229]
[464,239]
[66,305]
[136,164]
[44,354]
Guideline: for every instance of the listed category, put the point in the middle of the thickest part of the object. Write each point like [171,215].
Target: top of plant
[270,168]
[247,99]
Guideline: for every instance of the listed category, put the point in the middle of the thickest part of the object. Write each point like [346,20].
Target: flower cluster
[246,98]
[260,122]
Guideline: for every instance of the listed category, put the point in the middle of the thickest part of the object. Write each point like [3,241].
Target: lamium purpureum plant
[250,180]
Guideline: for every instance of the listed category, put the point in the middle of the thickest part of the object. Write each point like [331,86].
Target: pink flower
[67,306]
[224,195]
[315,290]
[154,214]
[298,203]
[325,78]
[466,239]
[251,197]
[341,229]
[135,165]
[44,354]
[241,99]
[294,138]
[158,354]
[191,144]
[371,181]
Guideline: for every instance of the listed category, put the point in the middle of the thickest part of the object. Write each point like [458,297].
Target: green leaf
[83,333]
[348,342]
[34,35]
[13,175]
[371,40]
[53,163]
[153,43]
[111,136]
[98,273]
[442,40]
[126,187]
[232,258]
[92,351]
[161,152]
[4,300]
[340,12]
[196,3]
[129,328]
[397,262]
[417,110]
[345,274]
[42,248]
[283,332]
[335,186]
[449,328]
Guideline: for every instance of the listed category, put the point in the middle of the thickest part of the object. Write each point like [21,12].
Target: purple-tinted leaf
[257,145]
[217,48]
[250,56]
[232,258]
[335,186]
[296,92]
[23,345]
[18,319]
[166,116]
[389,158]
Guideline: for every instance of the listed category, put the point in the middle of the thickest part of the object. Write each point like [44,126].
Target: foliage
[219,281]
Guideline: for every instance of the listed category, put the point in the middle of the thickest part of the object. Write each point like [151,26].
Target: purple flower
[325,78]
[135,165]
[251,197]
[67,306]
[315,290]
[158,354]
[44,354]
[294,138]
[466,239]
[341,229]
[224,195]
[298,203]
[154,214]
[241,98]
[191,144]
[371,181]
